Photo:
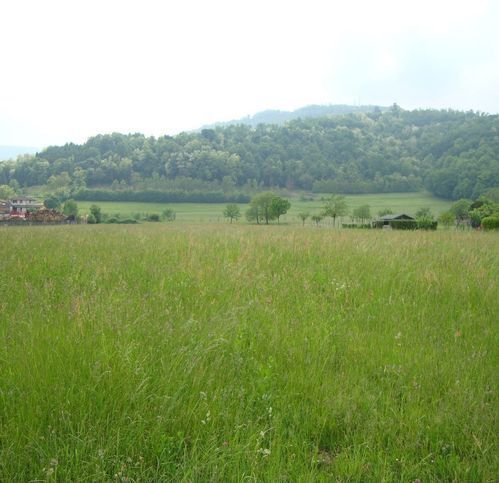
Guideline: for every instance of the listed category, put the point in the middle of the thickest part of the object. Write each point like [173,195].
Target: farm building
[20,205]
[4,208]
[393,221]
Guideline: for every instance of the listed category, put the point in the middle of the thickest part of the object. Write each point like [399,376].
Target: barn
[394,221]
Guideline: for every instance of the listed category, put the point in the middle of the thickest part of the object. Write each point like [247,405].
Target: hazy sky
[75,68]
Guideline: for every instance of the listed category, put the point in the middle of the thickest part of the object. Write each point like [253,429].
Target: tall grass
[213,353]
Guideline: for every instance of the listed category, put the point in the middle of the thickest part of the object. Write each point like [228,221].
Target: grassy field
[193,212]
[224,353]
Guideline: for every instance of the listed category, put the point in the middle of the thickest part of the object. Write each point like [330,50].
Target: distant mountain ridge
[274,116]
[11,152]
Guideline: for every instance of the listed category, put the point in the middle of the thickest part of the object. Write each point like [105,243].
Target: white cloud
[73,69]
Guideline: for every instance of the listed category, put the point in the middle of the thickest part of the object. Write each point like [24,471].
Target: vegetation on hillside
[453,154]
[275,116]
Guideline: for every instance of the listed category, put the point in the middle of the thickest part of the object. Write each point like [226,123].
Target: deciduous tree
[303,215]
[335,206]
[362,213]
[6,192]
[232,212]
[70,209]
[317,219]
[279,206]
[52,202]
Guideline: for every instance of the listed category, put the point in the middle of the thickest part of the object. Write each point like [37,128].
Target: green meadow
[211,352]
[213,212]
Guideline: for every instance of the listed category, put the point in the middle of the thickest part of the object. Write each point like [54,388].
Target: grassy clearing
[213,212]
[218,352]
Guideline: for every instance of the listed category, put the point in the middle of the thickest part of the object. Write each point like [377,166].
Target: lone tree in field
[303,216]
[317,219]
[335,206]
[232,212]
[266,207]
[362,213]
[279,207]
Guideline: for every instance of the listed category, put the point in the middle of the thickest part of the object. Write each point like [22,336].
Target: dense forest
[453,154]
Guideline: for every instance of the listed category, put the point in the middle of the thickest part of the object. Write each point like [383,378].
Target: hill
[272,116]
[452,154]
[10,152]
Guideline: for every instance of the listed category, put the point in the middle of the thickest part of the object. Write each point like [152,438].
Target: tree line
[453,154]
[479,213]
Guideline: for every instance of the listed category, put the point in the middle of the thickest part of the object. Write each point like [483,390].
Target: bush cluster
[356,225]
[423,224]
[124,221]
[427,224]
[491,223]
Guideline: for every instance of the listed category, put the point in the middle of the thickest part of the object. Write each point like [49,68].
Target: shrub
[491,223]
[447,218]
[426,223]
[95,211]
[52,202]
[475,219]
[404,224]
[153,217]
[124,221]
[70,209]
[399,224]
[356,225]
[91,219]
[168,214]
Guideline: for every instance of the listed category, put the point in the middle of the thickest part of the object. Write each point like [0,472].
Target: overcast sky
[71,69]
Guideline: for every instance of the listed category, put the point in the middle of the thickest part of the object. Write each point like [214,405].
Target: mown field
[213,212]
[224,353]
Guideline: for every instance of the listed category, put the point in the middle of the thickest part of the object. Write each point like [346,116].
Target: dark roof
[399,216]
[23,198]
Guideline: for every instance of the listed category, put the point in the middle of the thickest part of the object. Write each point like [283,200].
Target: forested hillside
[452,154]
[273,116]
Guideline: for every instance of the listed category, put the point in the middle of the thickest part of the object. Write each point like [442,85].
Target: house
[4,209]
[394,221]
[20,205]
